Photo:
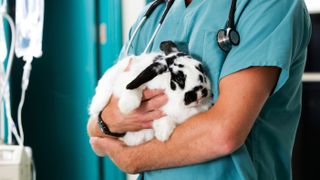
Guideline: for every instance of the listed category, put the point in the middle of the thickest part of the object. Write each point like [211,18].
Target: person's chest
[194,29]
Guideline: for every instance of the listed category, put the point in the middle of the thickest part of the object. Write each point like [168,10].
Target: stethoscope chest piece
[227,38]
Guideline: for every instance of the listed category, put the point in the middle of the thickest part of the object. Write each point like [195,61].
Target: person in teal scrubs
[250,131]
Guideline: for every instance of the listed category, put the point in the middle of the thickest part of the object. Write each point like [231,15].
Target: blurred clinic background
[81,39]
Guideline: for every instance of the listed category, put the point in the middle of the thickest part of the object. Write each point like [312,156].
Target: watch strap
[105,129]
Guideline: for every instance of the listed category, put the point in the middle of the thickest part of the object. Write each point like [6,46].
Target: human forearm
[198,140]
[202,138]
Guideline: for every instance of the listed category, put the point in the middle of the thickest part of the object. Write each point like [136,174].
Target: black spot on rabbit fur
[179,78]
[201,78]
[173,85]
[192,96]
[200,68]
[170,60]
[204,92]
[168,47]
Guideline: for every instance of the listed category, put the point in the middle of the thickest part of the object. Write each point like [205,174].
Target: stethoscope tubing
[231,14]
[163,17]
[144,19]
[152,38]
[224,42]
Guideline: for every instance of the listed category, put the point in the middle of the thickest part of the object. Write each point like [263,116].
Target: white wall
[130,11]
[313,6]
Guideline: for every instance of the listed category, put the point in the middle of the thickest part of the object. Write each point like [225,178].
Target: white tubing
[4,91]
[11,53]
[12,129]
[25,82]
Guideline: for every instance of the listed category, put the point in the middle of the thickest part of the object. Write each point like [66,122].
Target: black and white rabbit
[180,76]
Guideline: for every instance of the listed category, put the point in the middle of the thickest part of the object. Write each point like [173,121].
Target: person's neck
[188,2]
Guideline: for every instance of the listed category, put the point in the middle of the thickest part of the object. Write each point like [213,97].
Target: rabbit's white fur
[115,80]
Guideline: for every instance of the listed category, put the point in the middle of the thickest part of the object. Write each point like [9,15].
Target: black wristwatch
[105,129]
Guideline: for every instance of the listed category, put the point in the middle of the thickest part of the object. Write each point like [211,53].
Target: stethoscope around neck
[226,37]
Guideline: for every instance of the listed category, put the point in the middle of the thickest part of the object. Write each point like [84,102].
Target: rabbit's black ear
[168,47]
[148,74]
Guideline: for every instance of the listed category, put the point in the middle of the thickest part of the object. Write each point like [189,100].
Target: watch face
[102,130]
[102,126]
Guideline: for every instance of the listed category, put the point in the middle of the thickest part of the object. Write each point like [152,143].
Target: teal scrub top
[273,33]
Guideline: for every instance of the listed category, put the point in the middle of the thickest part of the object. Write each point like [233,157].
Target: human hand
[116,150]
[141,118]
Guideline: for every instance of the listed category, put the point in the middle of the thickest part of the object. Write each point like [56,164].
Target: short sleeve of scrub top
[273,33]
[270,37]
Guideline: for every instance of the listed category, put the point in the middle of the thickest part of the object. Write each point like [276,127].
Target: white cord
[24,85]
[2,106]
[11,53]
[2,123]
[2,129]
[7,105]
[23,94]
[12,129]
[5,89]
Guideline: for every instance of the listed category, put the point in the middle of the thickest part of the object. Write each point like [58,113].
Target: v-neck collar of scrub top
[180,5]
[179,17]
[179,12]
